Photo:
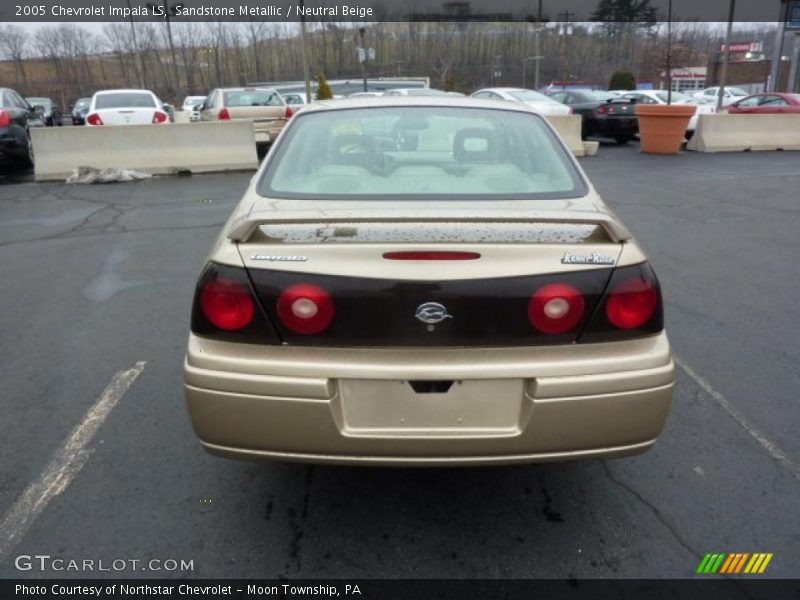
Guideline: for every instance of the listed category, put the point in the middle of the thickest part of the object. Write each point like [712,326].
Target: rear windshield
[235,98]
[124,100]
[83,103]
[420,153]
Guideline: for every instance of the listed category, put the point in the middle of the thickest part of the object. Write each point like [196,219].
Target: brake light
[289,112]
[426,255]
[227,304]
[94,119]
[602,110]
[632,303]
[5,118]
[556,308]
[305,308]
[160,117]
[224,115]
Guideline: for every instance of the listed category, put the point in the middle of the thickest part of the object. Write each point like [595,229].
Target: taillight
[5,118]
[556,308]
[631,307]
[227,304]
[305,308]
[431,255]
[94,119]
[289,112]
[160,117]
[632,303]
[224,115]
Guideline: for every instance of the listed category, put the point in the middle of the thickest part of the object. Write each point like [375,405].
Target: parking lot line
[770,446]
[65,464]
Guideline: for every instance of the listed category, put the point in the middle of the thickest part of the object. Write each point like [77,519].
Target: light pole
[303,56]
[524,71]
[723,78]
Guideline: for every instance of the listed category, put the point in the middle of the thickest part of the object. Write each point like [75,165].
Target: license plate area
[262,136]
[436,408]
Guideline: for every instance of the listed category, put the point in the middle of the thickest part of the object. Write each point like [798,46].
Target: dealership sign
[743,47]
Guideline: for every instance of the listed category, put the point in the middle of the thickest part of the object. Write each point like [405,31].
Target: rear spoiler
[244,227]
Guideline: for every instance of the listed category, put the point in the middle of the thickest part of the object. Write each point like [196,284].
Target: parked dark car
[603,113]
[16,116]
[767,104]
[80,110]
[51,113]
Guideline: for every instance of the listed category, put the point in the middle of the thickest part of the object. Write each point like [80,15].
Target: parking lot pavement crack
[297,524]
[656,512]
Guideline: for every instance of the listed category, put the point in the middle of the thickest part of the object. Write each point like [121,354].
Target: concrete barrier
[569,128]
[181,116]
[736,133]
[591,148]
[154,149]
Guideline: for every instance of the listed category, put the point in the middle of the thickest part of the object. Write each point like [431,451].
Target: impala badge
[432,313]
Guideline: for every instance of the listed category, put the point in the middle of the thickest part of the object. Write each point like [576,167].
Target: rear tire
[623,139]
[27,162]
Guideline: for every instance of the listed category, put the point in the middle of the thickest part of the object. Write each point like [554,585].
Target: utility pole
[303,56]
[669,53]
[777,52]
[136,49]
[538,47]
[173,54]
[566,16]
[723,78]
[362,31]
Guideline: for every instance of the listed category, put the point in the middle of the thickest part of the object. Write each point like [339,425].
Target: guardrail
[737,133]
[156,149]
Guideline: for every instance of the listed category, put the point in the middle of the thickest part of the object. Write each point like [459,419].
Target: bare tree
[14,47]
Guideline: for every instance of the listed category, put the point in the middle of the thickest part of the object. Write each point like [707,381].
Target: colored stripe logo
[735,563]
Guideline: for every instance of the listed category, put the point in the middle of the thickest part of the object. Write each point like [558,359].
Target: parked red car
[767,104]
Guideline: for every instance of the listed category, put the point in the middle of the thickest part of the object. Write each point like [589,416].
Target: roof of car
[432,101]
[122,90]
[242,88]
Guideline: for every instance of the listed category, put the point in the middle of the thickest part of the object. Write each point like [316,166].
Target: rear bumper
[614,125]
[11,146]
[356,406]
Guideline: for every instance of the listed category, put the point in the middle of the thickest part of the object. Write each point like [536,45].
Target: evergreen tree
[324,91]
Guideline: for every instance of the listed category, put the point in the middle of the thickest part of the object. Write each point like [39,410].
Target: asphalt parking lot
[98,278]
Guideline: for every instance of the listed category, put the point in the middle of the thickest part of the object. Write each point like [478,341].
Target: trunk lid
[126,116]
[379,299]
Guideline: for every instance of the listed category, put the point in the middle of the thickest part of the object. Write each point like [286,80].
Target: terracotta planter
[662,127]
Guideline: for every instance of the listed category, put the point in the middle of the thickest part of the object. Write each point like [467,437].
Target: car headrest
[351,149]
[475,144]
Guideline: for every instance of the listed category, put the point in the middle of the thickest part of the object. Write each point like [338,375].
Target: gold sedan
[425,281]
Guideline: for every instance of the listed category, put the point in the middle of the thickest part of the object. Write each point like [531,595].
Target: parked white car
[539,103]
[730,95]
[661,97]
[189,105]
[126,107]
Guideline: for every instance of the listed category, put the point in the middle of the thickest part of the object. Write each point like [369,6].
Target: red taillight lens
[305,308]
[94,119]
[602,110]
[556,308]
[227,304]
[437,255]
[5,118]
[289,112]
[160,117]
[224,115]
[632,303]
